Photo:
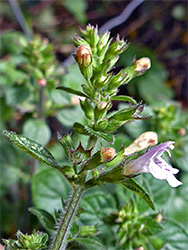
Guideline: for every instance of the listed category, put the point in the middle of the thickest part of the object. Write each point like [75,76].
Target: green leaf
[90,243]
[6,111]
[70,115]
[132,185]
[48,189]
[80,129]
[37,130]
[46,219]
[87,108]
[89,131]
[88,231]
[66,142]
[124,115]
[174,237]
[32,148]
[152,227]
[96,203]
[16,95]
[94,162]
[124,98]
[77,8]
[60,97]
[105,136]
[74,230]
[72,91]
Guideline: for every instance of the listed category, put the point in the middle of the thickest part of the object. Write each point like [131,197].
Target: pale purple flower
[151,162]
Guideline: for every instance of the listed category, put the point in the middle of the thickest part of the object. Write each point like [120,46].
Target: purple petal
[153,163]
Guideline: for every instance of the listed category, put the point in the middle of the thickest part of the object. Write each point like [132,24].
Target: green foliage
[125,220]
[150,86]
[35,241]
[16,95]
[90,243]
[46,219]
[77,8]
[48,188]
[37,130]
[135,187]
[33,148]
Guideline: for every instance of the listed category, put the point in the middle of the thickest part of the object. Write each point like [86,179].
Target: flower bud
[42,82]
[182,132]
[143,64]
[84,55]
[75,100]
[145,140]
[102,105]
[108,154]
[159,217]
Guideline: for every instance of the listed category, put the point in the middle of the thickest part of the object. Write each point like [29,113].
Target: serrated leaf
[45,218]
[72,91]
[33,148]
[93,242]
[124,98]
[132,185]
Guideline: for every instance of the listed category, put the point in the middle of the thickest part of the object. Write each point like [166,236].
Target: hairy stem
[59,242]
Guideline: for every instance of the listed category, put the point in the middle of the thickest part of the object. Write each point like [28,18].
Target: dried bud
[42,82]
[143,64]
[108,154]
[84,55]
[145,140]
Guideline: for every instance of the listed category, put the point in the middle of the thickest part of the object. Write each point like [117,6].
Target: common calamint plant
[96,56]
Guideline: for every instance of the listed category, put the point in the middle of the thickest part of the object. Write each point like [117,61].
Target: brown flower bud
[108,154]
[42,82]
[143,64]
[84,55]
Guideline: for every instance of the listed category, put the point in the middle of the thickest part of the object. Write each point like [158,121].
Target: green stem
[89,83]
[41,102]
[60,242]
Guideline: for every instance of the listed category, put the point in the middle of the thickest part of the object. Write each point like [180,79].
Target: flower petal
[173,182]
[152,162]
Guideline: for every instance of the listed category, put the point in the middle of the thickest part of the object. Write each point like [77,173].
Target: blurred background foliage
[156,29]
